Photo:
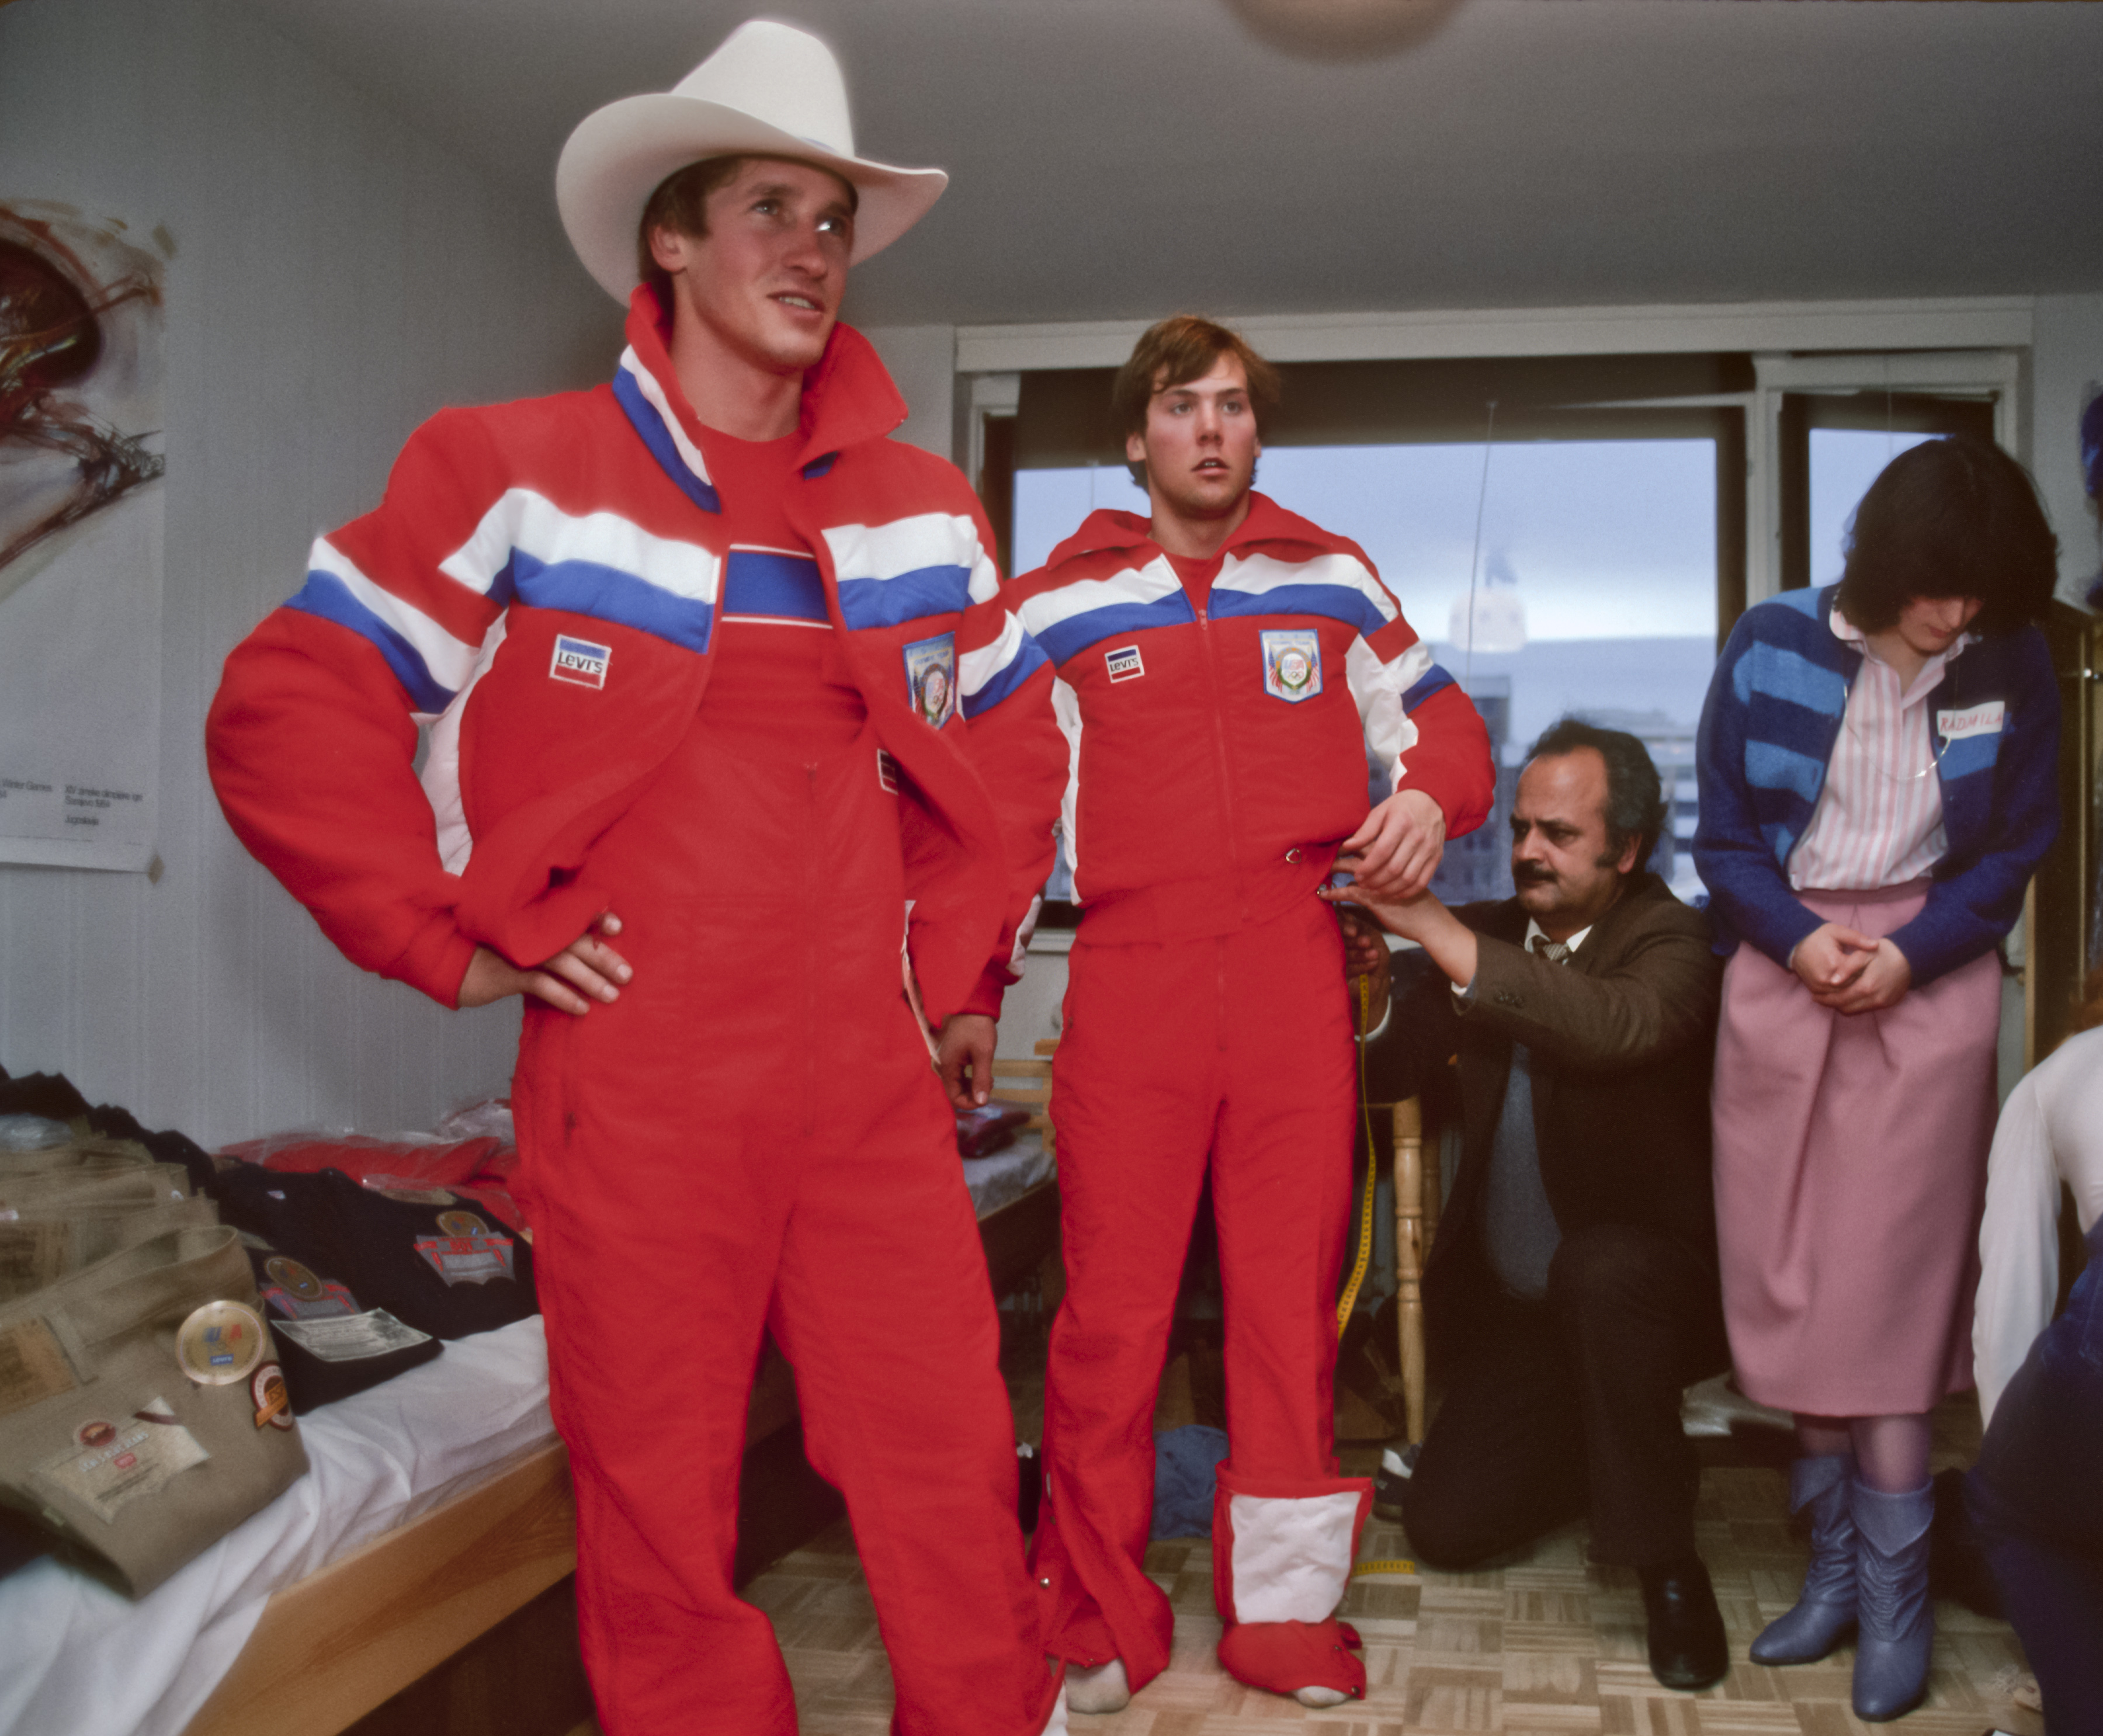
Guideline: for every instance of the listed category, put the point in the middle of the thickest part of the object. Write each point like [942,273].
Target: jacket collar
[1108,530]
[849,396]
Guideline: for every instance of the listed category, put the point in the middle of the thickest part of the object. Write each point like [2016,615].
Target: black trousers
[2037,1502]
[1570,1406]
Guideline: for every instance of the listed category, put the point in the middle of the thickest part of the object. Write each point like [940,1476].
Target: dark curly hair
[1953,518]
[1635,797]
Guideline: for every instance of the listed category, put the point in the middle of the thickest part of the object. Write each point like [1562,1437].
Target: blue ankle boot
[1897,1621]
[1825,1611]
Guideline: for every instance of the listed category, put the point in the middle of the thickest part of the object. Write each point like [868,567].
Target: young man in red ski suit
[1218,671]
[677,643]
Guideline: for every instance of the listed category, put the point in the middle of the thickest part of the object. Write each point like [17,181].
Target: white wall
[337,277]
[922,360]
[2066,365]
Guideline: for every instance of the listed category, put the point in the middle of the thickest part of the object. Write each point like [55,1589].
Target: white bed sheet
[79,1659]
[1007,1174]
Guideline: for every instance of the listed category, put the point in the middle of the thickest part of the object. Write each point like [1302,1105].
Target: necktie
[1553,950]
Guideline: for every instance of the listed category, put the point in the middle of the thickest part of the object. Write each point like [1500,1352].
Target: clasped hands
[1850,971]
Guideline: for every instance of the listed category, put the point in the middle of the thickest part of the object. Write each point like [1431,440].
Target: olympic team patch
[930,677]
[1292,664]
[579,661]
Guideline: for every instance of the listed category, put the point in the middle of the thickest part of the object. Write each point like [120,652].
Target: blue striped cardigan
[1768,730]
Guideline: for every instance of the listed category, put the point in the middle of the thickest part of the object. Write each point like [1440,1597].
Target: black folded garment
[425,1258]
[50,1096]
[168,1146]
[330,1344]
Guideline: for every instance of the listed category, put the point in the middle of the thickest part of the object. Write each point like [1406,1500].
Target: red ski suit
[709,709]
[1216,743]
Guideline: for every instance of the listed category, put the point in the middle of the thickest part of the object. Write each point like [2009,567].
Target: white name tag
[1977,720]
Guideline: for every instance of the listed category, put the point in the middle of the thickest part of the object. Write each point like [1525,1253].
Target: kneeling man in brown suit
[1572,1291]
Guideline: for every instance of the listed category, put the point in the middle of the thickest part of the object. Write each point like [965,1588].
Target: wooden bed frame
[350,1637]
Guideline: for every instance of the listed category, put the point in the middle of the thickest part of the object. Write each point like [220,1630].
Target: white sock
[1106,1688]
[1320,1696]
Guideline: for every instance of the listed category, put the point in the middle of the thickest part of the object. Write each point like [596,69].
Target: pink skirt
[1851,1167]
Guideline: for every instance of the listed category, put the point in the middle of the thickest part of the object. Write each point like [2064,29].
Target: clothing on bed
[143,1408]
[427,1258]
[331,1344]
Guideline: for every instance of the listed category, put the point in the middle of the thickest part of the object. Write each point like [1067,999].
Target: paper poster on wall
[81,462]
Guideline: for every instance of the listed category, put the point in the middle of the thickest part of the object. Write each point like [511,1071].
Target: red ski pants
[751,1136]
[1234,1051]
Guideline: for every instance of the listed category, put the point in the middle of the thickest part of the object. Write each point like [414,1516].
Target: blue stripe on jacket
[893,601]
[587,588]
[761,581]
[327,597]
[1026,662]
[651,426]
[1065,640]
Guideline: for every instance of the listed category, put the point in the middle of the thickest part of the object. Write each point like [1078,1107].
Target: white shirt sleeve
[2018,1244]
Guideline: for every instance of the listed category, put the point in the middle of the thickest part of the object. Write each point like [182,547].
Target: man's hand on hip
[586,967]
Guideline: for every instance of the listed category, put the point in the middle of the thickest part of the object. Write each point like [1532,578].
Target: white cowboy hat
[770,89]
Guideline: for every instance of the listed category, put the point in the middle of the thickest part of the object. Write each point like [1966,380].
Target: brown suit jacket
[1622,1038]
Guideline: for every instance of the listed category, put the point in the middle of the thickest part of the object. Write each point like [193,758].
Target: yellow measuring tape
[1350,1296]
[1385,1568]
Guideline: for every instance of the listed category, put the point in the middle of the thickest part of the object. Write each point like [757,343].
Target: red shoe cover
[1284,1657]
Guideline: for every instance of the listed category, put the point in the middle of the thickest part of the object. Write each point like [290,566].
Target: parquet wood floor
[1547,1646]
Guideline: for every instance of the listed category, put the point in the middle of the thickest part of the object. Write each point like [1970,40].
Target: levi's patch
[1124,663]
[580,662]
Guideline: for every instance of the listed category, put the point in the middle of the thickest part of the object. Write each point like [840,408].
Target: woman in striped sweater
[1878,764]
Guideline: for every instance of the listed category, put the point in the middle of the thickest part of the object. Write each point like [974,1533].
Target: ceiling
[1114,159]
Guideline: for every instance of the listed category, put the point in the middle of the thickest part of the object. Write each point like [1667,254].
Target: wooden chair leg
[1434,1189]
[1410,1239]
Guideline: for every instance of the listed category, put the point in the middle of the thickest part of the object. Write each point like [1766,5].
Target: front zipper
[1220,738]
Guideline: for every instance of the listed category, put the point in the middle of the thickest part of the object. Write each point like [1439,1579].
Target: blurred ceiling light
[1343,29]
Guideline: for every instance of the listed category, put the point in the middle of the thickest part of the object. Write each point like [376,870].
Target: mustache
[1533,874]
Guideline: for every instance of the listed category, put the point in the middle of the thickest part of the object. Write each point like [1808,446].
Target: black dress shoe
[1687,1650]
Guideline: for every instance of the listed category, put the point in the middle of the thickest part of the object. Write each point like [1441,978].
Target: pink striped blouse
[1878,821]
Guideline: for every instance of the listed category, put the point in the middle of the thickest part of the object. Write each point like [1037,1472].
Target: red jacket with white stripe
[1208,761]
[541,587]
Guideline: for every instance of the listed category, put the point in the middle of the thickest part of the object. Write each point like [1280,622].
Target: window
[1615,547]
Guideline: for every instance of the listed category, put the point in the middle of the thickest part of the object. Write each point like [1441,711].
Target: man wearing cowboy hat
[673,639]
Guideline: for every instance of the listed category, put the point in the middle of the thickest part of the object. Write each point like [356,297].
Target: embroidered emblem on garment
[466,1256]
[109,1465]
[299,1293]
[220,1343]
[580,662]
[274,1403]
[1124,663]
[1292,662]
[930,676]
[1975,720]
